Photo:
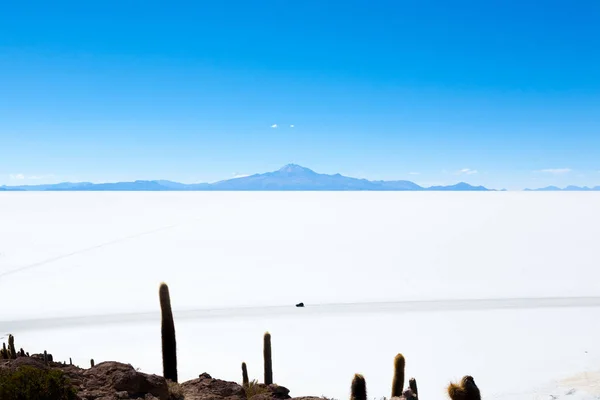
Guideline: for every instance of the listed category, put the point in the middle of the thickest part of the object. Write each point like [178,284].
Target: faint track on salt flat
[73,253]
[309,310]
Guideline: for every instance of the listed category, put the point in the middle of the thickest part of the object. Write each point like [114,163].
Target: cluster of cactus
[465,390]
[11,352]
[359,385]
[268,363]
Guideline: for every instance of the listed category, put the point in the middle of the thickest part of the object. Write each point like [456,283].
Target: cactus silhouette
[267,358]
[70,361]
[359,388]
[45,357]
[4,352]
[169,345]
[245,380]
[92,363]
[412,384]
[398,382]
[12,352]
[465,390]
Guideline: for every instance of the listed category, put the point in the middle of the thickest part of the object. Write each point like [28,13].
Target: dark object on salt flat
[300,305]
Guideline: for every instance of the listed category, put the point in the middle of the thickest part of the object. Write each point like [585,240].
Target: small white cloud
[414,173]
[556,171]
[21,177]
[291,126]
[274,126]
[467,171]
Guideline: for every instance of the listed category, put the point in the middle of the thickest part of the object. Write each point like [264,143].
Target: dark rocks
[272,392]
[114,380]
[279,392]
[207,388]
[117,381]
[309,398]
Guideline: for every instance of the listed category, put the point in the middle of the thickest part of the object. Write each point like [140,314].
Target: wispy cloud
[414,173]
[274,126]
[467,171]
[236,175]
[556,171]
[291,126]
[21,177]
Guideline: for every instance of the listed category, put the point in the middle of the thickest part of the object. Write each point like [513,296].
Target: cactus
[4,352]
[398,382]
[359,388]
[70,361]
[21,352]
[245,380]
[412,384]
[267,359]
[169,345]
[92,363]
[45,357]
[11,347]
[466,390]
[50,358]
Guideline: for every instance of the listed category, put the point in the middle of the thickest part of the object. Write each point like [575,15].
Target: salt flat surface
[81,254]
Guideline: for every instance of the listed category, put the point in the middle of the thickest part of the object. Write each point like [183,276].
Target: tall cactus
[267,359]
[169,345]
[45,357]
[398,382]
[245,380]
[11,347]
[359,388]
[4,352]
[465,390]
[92,363]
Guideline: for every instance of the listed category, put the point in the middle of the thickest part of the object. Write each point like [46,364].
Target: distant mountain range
[289,178]
[567,189]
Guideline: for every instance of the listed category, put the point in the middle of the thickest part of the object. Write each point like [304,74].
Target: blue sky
[500,93]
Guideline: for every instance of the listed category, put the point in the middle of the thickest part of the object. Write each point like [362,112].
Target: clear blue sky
[188,91]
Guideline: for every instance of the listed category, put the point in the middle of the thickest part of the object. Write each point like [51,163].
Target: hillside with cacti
[39,377]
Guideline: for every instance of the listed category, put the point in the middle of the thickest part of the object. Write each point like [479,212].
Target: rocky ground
[117,381]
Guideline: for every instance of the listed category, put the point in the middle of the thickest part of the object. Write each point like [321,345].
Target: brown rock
[24,361]
[113,380]
[309,398]
[207,388]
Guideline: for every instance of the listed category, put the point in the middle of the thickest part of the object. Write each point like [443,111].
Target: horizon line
[290,168]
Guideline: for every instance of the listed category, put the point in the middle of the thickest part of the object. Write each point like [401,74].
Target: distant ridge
[290,177]
[567,189]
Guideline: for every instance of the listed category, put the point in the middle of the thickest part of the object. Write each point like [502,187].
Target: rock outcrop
[207,388]
[110,380]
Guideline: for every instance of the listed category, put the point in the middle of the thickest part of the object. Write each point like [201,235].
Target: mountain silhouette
[570,188]
[291,177]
